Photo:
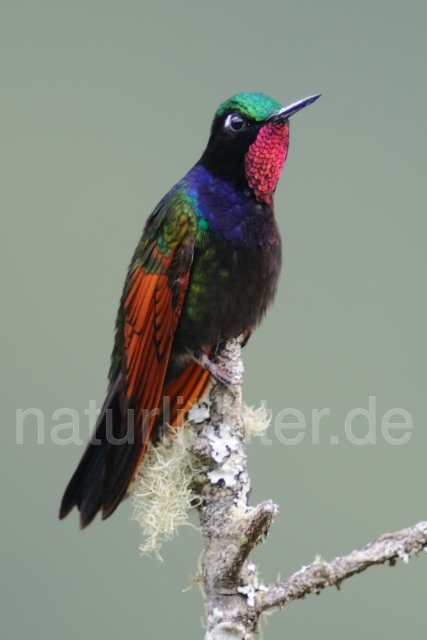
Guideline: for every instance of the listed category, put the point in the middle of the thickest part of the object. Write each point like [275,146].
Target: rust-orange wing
[183,392]
[152,304]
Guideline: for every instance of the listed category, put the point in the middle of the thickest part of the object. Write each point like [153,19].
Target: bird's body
[205,270]
[236,261]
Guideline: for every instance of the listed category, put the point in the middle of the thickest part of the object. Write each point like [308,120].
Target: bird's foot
[227,378]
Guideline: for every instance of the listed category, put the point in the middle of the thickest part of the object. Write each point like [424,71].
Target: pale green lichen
[255,421]
[162,492]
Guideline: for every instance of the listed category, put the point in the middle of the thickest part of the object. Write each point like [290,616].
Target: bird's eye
[235,122]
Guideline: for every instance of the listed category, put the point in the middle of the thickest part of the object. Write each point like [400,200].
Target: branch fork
[234,596]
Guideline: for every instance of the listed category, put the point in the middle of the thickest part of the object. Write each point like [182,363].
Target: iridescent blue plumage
[235,214]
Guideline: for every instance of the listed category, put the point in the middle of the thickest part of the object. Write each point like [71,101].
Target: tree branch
[387,548]
[234,596]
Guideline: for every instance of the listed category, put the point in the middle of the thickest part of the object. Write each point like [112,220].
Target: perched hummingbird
[205,269]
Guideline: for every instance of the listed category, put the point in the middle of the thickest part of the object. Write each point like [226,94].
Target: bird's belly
[229,291]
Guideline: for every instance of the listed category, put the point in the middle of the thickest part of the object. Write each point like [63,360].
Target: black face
[231,135]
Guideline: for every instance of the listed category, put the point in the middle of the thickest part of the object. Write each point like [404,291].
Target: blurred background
[105,105]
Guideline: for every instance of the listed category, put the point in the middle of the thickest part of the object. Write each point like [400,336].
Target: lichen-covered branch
[235,598]
[231,529]
[388,548]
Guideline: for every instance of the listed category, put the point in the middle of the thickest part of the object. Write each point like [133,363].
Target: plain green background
[104,106]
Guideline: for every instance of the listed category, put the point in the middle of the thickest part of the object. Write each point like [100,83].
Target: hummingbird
[205,270]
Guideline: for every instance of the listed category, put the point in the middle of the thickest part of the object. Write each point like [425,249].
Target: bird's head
[249,141]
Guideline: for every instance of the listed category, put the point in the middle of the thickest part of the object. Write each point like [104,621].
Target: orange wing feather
[148,318]
[180,394]
[152,309]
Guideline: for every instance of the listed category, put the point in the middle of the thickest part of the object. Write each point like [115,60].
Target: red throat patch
[265,158]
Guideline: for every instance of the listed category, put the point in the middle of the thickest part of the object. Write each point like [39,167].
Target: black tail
[85,487]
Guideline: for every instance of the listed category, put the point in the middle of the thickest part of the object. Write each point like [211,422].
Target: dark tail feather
[85,487]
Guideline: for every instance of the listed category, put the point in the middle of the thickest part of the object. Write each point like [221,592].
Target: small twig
[388,548]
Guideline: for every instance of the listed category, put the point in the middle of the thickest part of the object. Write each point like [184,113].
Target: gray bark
[234,596]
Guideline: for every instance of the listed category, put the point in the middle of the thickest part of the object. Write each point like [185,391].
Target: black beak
[287,112]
